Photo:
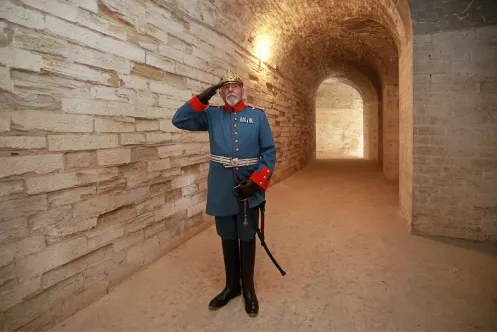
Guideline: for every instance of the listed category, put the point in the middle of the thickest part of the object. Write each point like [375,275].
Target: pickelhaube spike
[230,78]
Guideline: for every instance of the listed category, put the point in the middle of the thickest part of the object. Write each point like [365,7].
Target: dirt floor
[351,264]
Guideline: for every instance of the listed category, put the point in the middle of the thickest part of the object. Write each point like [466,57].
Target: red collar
[238,107]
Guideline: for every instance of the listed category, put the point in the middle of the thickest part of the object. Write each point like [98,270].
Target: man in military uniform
[242,160]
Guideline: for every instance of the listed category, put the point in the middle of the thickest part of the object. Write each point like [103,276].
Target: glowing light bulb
[262,49]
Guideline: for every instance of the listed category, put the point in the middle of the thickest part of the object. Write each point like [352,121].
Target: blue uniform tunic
[234,132]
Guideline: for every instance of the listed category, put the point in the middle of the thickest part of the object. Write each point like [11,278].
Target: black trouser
[231,227]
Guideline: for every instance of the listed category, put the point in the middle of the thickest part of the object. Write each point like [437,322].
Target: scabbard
[263,241]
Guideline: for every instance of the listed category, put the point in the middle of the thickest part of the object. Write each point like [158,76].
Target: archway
[340,121]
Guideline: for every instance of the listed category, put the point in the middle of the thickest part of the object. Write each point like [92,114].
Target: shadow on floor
[346,165]
[484,247]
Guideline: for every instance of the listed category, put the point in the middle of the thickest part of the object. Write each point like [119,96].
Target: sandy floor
[350,262]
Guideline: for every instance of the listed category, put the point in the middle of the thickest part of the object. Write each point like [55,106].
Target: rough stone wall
[371,133]
[455,132]
[340,119]
[95,182]
[390,130]
[406,133]
[390,117]
[429,16]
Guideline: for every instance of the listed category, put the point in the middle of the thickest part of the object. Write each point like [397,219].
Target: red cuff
[197,104]
[261,178]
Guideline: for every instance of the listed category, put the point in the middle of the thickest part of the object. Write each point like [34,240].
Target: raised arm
[191,116]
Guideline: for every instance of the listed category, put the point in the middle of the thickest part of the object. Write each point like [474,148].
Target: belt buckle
[235,162]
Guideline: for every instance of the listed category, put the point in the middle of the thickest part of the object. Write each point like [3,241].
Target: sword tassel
[245,221]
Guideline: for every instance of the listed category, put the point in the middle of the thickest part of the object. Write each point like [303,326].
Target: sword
[258,231]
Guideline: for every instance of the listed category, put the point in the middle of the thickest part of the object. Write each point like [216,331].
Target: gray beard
[232,100]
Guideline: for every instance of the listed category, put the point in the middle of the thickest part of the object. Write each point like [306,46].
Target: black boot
[247,250]
[232,270]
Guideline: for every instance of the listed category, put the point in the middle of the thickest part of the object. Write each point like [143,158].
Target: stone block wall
[95,182]
[371,132]
[340,121]
[406,133]
[390,130]
[455,133]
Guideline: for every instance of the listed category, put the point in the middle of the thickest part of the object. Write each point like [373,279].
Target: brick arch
[365,43]
[360,82]
[374,37]
[340,120]
[359,33]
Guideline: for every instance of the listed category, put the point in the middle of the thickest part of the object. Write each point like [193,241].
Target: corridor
[351,264]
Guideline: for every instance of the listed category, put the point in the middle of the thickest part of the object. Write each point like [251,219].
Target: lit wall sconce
[262,50]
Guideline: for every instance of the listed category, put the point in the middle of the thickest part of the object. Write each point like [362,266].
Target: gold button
[265,177]
[260,182]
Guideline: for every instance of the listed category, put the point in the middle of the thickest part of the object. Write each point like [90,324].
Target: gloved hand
[208,93]
[245,189]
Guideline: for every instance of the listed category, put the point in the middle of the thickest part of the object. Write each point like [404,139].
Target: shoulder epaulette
[256,108]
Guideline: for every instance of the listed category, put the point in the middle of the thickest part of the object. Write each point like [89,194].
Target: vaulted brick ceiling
[312,39]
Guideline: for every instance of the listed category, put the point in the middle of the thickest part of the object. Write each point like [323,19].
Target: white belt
[234,162]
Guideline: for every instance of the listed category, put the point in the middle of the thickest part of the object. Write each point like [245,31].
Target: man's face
[231,93]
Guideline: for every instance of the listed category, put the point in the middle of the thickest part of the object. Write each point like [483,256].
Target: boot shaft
[247,257]
[231,254]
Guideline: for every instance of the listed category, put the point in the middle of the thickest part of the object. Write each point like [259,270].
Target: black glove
[246,189]
[205,96]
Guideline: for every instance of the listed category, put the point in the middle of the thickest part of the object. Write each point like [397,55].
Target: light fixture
[262,50]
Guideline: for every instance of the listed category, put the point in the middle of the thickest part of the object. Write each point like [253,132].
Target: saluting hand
[208,93]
